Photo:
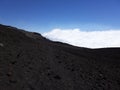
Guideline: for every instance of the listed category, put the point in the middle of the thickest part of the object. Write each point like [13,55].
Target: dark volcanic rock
[29,61]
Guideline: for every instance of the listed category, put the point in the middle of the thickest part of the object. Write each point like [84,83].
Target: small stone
[1,44]
[9,74]
[13,81]
[57,77]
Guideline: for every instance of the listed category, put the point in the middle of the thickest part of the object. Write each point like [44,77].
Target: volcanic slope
[29,61]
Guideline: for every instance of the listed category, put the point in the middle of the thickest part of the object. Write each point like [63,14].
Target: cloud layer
[93,39]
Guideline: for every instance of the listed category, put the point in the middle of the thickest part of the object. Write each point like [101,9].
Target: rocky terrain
[29,61]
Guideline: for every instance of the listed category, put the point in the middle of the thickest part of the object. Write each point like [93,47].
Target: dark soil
[29,61]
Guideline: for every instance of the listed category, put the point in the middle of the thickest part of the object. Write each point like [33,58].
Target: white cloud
[93,39]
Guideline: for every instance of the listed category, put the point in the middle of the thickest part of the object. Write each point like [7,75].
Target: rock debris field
[29,61]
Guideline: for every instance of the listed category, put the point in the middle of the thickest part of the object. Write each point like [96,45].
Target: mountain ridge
[29,61]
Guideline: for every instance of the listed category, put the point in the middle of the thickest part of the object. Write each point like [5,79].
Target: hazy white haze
[92,39]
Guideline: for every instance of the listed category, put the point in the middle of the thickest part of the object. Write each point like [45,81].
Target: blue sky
[45,15]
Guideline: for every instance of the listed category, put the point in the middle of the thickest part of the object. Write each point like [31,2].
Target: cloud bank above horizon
[91,39]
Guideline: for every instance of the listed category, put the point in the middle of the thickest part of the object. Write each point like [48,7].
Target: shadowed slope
[29,61]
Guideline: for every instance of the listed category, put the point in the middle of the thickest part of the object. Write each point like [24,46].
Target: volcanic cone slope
[29,61]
